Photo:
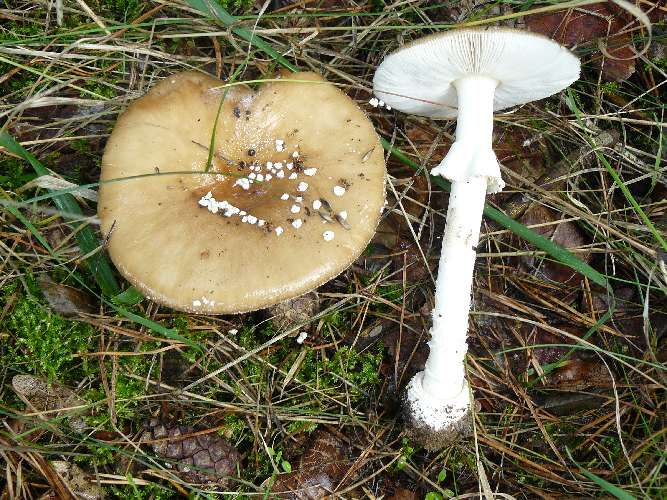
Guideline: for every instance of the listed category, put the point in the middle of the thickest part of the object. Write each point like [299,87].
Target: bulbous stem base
[436,423]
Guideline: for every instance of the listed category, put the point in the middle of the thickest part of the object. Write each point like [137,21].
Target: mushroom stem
[444,372]
[471,155]
[473,169]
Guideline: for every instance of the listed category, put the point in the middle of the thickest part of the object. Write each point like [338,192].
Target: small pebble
[339,190]
[302,186]
[328,235]
[297,223]
[317,204]
[279,230]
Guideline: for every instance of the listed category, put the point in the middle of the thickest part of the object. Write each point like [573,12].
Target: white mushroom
[465,74]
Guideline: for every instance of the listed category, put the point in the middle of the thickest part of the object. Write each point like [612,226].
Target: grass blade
[97,262]
[169,333]
[605,485]
[571,102]
[559,253]
[129,297]
[216,11]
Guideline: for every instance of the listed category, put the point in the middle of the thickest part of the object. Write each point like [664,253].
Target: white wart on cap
[243,235]
[419,78]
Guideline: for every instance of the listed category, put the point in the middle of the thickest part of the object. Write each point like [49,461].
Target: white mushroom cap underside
[181,254]
[418,78]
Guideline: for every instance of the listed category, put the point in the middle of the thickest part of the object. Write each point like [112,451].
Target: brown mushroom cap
[179,252]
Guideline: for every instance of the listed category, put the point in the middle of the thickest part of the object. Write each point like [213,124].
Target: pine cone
[201,459]
[322,466]
[294,312]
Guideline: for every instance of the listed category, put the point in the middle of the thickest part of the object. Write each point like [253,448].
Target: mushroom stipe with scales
[463,74]
[294,193]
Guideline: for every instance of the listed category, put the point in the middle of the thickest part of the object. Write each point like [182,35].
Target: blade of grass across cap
[129,297]
[559,253]
[605,485]
[169,333]
[211,146]
[216,11]
[572,104]
[97,262]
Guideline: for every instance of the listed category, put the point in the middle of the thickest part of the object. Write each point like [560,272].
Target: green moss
[235,427]
[149,491]
[347,367]
[44,343]
[298,426]
[14,172]
[129,391]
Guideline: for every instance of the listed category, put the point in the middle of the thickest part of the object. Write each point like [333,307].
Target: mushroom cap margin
[417,78]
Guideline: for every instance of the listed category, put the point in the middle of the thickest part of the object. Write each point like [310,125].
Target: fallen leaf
[580,374]
[66,300]
[566,234]
[605,22]
[404,494]
[294,312]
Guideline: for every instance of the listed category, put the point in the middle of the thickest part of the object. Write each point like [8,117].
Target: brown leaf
[202,458]
[627,315]
[66,300]
[588,24]
[566,234]
[425,140]
[408,352]
[580,374]
[522,152]
[321,467]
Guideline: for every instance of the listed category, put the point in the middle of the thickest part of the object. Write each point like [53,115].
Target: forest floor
[567,351]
